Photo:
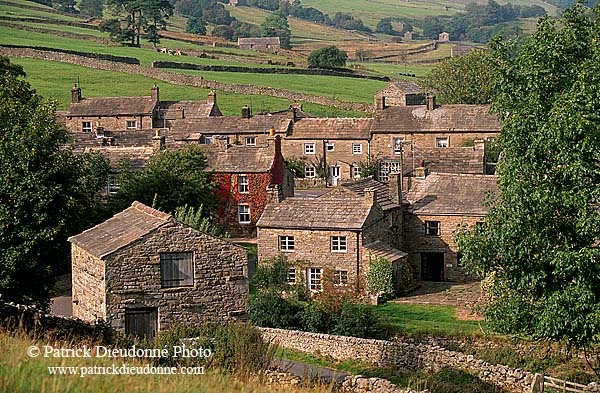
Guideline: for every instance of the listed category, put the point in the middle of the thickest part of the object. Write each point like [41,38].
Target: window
[132,124]
[176,269]
[432,228]
[113,184]
[357,148]
[397,145]
[387,167]
[243,184]
[330,146]
[339,244]
[286,243]
[441,142]
[340,277]
[309,148]
[335,171]
[291,277]
[244,214]
[309,171]
[355,171]
[206,140]
[86,126]
[250,141]
[313,276]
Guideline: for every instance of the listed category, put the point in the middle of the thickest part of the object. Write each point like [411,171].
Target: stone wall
[67,34]
[112,123]
[133,279]
[187,80]
[398,355]
[381,143]
[99,56]
[88,286]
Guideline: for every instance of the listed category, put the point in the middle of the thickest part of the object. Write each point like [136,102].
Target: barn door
[432,266]
[142,323]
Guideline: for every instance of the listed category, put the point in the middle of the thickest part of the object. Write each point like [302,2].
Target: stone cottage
[439,204]
[400,93]
[143,272]
[261,44]
[333,237]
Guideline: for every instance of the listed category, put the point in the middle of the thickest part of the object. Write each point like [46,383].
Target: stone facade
[133,272]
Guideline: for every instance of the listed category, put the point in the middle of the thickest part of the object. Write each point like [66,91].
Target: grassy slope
[53,80]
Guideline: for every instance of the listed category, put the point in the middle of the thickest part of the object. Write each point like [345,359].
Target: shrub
[271,275]
[315,318]
[328,57]
[380,277]
[358,320]
[270,310]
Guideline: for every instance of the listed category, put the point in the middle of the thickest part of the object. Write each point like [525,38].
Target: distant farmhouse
[260,44]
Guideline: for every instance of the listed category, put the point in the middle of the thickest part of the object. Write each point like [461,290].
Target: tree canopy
[465,79]
[539,246]
[46,192]
[328,57]
[277,26]
[141,16]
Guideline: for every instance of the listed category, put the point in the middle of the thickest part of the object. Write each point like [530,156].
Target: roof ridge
[150,211]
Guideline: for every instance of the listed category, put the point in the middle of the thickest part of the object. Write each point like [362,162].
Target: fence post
[537,385]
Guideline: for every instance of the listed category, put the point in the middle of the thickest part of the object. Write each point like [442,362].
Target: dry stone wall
[397,355]
[67,34]
[179,79]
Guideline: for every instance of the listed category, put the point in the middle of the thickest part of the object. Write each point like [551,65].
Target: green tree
[46,192]
[139,15]
[277,26]
[196,26]
[91,8]
[196,219]
[466,79]
[173,178]
[328,57]
[539,247]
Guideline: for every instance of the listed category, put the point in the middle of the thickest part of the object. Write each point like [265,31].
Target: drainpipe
[325,168]
[357,261]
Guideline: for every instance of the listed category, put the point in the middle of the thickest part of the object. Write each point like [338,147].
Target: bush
[271,275]
[270,310]
[380,277]
[358,320]
[328,57]
[315,318]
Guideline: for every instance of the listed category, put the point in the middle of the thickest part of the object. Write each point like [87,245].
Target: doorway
[432,266]
[142,323]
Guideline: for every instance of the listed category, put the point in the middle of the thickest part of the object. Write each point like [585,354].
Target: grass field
[54,80]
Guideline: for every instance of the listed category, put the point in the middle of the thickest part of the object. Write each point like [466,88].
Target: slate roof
[451,194]
[191,109]
[240,159]
[331,128]
[404,86]
[383,196]
[380,249]
[121,230]
[112,106]
[231,125]
[443,118]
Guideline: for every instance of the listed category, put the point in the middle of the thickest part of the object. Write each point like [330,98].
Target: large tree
[46,192]
[539,247]
[328,57]
[141,16]
[277,26]
[465,79]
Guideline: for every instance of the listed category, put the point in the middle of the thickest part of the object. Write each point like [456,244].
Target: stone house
[95,115]
[143,272]
[332,145]
[444,37]
[244,173]
[400,93]
[439,204]
[333,237]
[261,44]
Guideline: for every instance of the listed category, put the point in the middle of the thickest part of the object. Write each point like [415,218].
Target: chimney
[75,93]
[370,196]
[479,145]
[154,93]
[212,97]
[430,103]
[245,112]
[421,171]
[158,141]
[274,193]
[395,187]
[379,103]
[180,113]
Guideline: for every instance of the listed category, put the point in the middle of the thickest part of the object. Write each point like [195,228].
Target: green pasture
[12,11]
[54,80]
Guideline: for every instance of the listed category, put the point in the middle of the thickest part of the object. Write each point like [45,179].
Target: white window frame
[330,146]
[340,277]
[355,171]
[129,126]
[207,140]
[397,145]
[339,244]
[442,142]
[337,169]
[309,149]
[357,148]
[243,211]
[86,126]
[113,185]
[292,276]
[286,243]
[314,279]
[176,258]
[250,141]
[433,228]
[310,171]
[243,184]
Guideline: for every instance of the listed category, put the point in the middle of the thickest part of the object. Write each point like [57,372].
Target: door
[335,174]
[142,323]
[432,266]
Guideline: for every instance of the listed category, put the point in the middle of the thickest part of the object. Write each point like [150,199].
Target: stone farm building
[143,272]
[261,44]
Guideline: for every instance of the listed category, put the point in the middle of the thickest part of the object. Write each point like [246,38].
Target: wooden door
[142,323]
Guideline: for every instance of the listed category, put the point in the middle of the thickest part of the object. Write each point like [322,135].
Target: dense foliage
[276,25]
[380,277]
[46,194]
[539,245]
[465,79]
[328,57]
[140,16]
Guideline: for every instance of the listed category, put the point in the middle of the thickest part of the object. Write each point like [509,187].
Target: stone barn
[261,44]
[143,272]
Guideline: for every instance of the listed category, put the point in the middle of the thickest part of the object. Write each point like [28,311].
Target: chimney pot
[154,93]
[75,93]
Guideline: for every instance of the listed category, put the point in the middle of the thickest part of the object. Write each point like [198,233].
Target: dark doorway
[432,266]
[142,323]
